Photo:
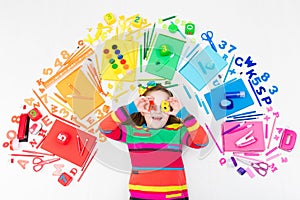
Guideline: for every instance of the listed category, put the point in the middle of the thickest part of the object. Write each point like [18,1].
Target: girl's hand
[175,104]
[142,103]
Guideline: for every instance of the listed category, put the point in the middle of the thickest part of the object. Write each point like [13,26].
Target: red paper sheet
[69,150]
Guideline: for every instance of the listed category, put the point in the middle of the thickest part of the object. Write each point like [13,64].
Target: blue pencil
[243,116]
[241,119]
[197,45]
[198,100]
[187,91]
[205,108]
[228,69]
[245,113]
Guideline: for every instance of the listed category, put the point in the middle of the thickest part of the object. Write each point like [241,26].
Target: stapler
[246,140]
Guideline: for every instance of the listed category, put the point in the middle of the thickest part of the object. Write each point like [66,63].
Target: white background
[34,32]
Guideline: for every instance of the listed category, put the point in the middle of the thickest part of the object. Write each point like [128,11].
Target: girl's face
[156,118]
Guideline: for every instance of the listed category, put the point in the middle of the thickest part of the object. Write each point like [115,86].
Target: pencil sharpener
[189,29]
[34,114]
[65,179]
[63,138]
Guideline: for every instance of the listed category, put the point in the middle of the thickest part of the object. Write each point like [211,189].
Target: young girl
[155,126]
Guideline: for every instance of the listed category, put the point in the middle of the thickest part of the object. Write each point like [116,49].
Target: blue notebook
[203,67]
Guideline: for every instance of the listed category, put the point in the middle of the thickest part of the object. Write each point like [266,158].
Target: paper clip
[246,140]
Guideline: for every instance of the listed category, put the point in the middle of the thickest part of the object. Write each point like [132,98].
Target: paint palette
[119,58]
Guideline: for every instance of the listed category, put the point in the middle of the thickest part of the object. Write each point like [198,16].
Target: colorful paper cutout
[79,93]
[216,95]
[203,67]
[253,142]
[69,151]
[164,57]
[119,58]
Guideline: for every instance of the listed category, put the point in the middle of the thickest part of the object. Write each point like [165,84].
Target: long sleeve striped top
[156,154]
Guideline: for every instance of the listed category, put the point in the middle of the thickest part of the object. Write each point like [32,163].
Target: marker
[239,94]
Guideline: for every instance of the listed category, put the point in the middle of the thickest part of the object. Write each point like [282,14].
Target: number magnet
[63,138]
[165,106]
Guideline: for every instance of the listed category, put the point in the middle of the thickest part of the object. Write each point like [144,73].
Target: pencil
[144,45]
[245,113]
[153,28]
[78,143]
[89,162]
[272,132]
[247,118]
[233,128]
[46,154]
[228,69]
[243,116]
[151,45]
[141,58]
[84,146]
[215,141]
[88,156]
[26,155]
[198,100]
[196,46]
[61,98]
[168,18]
[42,140]
[187,91]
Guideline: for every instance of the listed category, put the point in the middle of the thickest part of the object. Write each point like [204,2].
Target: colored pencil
[89,162]
[214,139]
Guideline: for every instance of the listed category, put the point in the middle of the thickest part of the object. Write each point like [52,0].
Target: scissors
[38,163]
[208,37]
[260,167]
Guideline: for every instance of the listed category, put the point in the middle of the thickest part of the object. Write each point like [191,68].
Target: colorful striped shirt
[156,154]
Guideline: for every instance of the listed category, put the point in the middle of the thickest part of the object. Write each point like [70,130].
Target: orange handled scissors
[39,163]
